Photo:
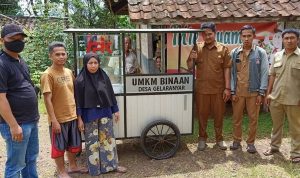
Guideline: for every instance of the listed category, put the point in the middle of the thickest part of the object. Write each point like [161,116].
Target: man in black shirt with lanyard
[18,106]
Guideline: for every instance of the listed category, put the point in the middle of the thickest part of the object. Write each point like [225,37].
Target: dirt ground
[186,163]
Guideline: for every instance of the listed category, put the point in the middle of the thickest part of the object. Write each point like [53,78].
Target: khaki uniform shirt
[60,84]
[210,68]
[286,69]
[242,88]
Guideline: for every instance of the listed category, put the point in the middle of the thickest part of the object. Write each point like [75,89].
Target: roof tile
[238,13]
[134,8]
[250,1]
[171,8]
[198,14]
[169,2]
[147,15]
[157,2]
[225,14]
[250,13]
[182,7]
[193,1]
[161,15]
[211,15]
[173,14]
[266,7]
[216,2]
[228,1]
[133,2]
[195,8]
[273,13]
[135,16]
[284,13]
[209,9]
[283,1]
[159,8]
[181,2]
[145,2]
[185,14]
[263,13]
[290,6]
[221,7]
[231,7]
[296,12]
[147,8]
[204,1]
[243,6]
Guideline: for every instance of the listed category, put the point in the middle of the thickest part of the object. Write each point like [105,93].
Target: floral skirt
[100,146]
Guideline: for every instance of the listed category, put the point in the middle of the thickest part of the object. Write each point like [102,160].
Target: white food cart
[155,105]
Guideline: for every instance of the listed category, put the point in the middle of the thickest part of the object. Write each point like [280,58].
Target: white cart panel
[143,109]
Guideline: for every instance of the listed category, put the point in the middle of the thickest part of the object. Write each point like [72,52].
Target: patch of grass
[263,130]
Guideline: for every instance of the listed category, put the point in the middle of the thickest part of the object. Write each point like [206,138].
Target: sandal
[270,152]
[295,160]
[121,169]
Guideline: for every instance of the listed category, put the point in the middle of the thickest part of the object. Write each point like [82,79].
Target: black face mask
[15,46]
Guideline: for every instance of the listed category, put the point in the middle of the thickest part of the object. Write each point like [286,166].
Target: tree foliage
[93,14]
[74,13]
[36,50]
[9,7]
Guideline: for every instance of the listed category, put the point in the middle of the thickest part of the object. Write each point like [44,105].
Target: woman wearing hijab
[96,103]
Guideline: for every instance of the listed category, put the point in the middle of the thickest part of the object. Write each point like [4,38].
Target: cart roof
[114,31]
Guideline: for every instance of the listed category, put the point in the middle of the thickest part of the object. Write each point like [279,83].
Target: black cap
[10,30]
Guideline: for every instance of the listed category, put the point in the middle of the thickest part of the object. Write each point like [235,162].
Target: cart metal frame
[160,137]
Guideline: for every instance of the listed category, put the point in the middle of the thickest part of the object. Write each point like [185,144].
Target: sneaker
[222,145]
[251,148]
[202,145]
[235,145]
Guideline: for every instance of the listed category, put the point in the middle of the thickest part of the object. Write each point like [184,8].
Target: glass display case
[109,48]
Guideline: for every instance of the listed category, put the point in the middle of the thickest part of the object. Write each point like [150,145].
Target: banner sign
[159,84]
[268,36]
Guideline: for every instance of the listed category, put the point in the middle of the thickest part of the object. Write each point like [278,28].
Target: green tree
[36,50]
[91,14]
[79,14]
[9,7]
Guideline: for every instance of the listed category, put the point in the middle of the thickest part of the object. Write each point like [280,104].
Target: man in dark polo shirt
[18,106]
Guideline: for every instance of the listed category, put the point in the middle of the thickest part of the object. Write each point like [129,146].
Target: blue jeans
[21,156]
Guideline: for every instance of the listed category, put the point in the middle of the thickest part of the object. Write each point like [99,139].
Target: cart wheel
[160,139]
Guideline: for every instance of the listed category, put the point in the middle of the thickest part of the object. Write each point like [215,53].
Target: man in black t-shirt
[18,106]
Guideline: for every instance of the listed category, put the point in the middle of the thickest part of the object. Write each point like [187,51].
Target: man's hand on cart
[192,57]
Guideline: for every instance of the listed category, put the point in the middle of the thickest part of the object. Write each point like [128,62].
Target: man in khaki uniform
[284,94]
[212,84]
[249,80]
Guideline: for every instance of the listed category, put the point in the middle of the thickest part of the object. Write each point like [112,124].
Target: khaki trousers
[210,105]
[238,112]
[278,113]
